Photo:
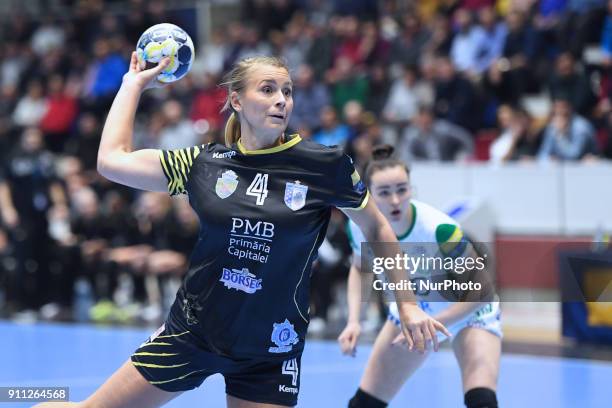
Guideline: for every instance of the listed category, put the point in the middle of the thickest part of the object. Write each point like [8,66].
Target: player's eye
[402,190]
[383,193]
[267,89]
[288,92]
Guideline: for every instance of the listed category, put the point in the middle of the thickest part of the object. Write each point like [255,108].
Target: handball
[166,40]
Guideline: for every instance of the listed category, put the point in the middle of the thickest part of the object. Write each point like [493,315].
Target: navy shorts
[176,360]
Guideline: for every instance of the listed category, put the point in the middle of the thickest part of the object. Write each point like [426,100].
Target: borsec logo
[240,279]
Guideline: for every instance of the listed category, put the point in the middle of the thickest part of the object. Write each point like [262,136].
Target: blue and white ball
[166,40]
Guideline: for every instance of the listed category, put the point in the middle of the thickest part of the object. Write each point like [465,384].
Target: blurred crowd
[442,80]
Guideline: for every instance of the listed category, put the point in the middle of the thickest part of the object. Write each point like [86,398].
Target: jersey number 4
[259,188]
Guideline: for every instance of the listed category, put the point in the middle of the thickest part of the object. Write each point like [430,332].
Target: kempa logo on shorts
[284,388]
[226,155]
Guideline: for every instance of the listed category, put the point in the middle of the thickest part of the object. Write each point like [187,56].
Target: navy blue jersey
[263,215]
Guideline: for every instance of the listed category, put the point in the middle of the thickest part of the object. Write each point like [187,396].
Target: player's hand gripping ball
[166,40]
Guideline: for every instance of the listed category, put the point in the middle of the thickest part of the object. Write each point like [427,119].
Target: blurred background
[502,108]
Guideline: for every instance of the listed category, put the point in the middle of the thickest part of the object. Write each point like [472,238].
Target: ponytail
[232,130]
[383,157]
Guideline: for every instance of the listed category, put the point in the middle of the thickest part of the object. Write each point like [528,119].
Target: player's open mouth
[395,213]
[281,117]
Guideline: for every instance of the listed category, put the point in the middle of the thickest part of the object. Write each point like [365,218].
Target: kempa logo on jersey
[240,279]
[226,155]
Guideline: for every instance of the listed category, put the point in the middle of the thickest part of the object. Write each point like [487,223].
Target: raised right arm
[116,161]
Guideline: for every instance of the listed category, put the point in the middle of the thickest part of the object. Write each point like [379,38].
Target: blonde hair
[236,80]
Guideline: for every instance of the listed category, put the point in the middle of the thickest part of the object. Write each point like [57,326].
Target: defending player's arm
[116,160]
[453,243]
[417,326]
[349,336]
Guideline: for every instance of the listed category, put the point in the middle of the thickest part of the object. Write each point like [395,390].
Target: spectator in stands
[29,191]
[178,131]
[209,58]
[456,99]
[252,44]
[440,40]
[373,48]
[104,74]
[568,136]
[407,94]
[431,139]
[606,37]
[292,44]
[85,141]
[332,132]
[378,91]
[47,37]
[519,140]
[31,107]
[467,42]
[510,76]
[309,97]
[494,37]
[347,83]
[349,41]
[352,116]
[208,101]
[268,15]
[8,273]
[61,112]
[360,148]
[476,5]
[408,45]
[581,25]
[567,82]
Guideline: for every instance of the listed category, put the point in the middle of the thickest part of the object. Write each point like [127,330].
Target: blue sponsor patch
[240,279]
[284,336]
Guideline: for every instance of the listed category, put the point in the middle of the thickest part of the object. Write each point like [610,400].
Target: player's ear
[235,101]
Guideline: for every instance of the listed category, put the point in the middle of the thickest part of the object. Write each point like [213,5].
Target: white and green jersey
[434,234]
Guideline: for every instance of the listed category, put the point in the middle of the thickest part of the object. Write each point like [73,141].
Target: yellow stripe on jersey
[177,378]
[145,353]
[355,177]
[176,165]
[171,335]
[364,202]
[136,363]
[283,146]
[156,343]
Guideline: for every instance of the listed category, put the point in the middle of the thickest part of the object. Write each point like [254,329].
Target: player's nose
[281,100]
